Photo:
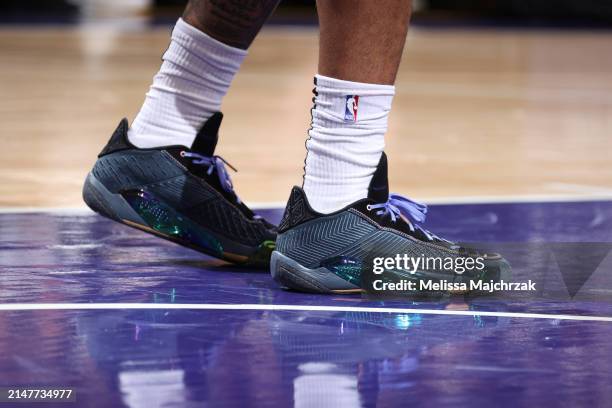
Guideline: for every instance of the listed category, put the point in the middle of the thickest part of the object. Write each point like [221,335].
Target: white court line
[272,307]
[82,210]
[79,210]
[534,198]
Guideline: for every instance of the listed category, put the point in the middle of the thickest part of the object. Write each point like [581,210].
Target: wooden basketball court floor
[487,112]
[511,128]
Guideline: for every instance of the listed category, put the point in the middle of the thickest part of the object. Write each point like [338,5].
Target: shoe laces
[411,212]
[215,164]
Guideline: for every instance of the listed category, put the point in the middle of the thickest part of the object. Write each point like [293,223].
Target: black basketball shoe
[337,252]
[180,194]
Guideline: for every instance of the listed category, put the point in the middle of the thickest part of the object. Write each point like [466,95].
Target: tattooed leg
[233,22]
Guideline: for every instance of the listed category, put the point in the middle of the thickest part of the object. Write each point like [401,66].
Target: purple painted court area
[238,358]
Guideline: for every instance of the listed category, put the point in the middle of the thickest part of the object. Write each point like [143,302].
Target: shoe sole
[291,275]
[114,206]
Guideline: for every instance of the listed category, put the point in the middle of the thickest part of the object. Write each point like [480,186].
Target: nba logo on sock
[350,112]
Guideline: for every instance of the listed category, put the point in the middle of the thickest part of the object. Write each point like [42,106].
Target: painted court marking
[510,199]
[272,307]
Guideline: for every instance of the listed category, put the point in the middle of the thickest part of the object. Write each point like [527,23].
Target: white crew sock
[193,79]
[347,138]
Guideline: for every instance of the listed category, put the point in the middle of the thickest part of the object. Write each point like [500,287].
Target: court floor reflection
[307,359]
[304,358]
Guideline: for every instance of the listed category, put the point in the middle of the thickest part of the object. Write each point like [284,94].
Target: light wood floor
[477,112]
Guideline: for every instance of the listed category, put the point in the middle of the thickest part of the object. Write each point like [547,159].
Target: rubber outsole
[114,206]
[291,275]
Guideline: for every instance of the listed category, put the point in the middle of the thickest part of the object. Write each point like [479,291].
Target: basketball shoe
[180,194]
[334,253]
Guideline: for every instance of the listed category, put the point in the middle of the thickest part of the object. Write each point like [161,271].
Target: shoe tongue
[206,139]
[379,185]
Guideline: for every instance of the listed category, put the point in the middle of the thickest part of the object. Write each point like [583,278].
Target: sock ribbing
[195,75]
[346,140]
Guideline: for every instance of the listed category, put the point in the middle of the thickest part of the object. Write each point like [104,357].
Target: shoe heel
[291,275]
[101,200]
